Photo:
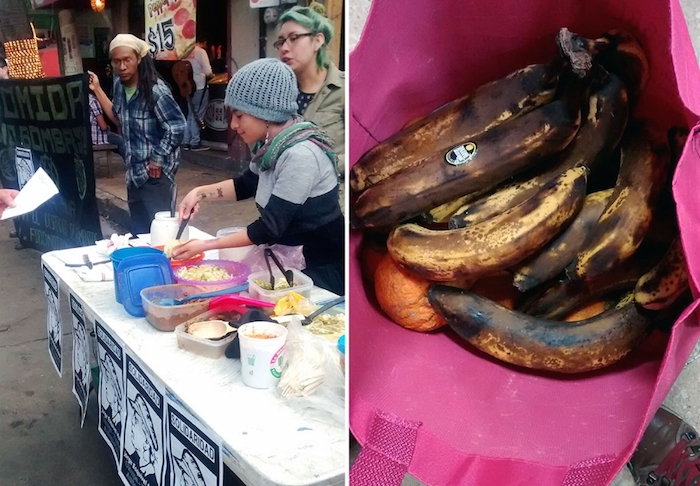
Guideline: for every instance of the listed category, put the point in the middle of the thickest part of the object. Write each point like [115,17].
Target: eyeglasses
[292,38]
[116,63]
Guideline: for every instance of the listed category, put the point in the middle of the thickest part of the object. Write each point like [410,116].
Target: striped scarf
[266,155]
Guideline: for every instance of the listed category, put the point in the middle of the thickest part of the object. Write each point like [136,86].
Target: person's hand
[154,172]
[189,204]
[188,250]
[7,199]
[94,82]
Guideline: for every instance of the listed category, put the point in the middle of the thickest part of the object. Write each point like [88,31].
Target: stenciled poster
[171,28]
[81,358]
[46,123]
[54,328]
[193,452]
[110,356]
[142,434]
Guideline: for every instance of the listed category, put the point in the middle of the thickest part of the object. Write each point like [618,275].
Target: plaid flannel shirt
[98,136]
[151,135]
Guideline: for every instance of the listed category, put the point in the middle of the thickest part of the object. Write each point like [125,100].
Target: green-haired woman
[303,37]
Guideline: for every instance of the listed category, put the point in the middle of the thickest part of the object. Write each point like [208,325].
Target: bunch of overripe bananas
[544,173]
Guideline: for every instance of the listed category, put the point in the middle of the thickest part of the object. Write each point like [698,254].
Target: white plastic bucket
[262,348]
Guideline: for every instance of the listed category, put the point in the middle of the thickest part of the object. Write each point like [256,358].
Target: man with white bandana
[151,124]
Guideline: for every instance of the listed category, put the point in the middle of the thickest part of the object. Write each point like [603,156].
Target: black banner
[46,123]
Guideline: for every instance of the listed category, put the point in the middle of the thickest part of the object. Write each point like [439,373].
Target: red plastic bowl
[238,271]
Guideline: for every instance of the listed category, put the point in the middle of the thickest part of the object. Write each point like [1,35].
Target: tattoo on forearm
[203,195]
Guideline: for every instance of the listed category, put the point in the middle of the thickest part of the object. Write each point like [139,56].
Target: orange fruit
[404,297]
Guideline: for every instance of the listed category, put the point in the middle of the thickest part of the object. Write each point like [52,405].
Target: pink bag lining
[484,422]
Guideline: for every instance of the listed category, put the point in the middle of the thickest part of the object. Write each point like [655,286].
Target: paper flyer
[54,328]
[142,434]
[81,358]
[110,394]
[35,192]
[193,451]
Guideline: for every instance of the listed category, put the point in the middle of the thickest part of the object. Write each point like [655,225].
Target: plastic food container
[234,254]
[167,317]
[118,255]
[237,270]
[302,285]
[204,347]
[139,272]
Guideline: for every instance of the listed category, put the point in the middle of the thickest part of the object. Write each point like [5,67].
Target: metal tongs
[288,274]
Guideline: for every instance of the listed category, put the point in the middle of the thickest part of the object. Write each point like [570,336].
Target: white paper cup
[262,347]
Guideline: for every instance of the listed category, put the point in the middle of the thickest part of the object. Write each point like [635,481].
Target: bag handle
[385,456]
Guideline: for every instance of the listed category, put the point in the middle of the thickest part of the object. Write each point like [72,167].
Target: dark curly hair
[148,78]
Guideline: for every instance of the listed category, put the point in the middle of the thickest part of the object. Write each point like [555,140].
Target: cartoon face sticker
[54,328]
[80,353]
[187,471]
[143,435]
[111,388]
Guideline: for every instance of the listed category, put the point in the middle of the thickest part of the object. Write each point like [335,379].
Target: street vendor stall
[197,407]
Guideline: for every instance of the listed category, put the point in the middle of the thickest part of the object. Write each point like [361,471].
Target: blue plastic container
[118,255]
[138,272]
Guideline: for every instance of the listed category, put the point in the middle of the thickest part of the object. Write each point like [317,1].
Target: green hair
[314,22]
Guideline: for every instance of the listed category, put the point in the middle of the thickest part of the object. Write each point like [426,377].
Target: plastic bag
[289,256]
[312,376]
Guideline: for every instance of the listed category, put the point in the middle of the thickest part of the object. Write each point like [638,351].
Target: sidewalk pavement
[196,169]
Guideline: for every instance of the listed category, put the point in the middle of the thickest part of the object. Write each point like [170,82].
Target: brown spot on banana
[531,342]
[660,287]
[495,244]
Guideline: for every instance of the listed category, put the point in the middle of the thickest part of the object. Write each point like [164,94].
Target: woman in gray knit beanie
[292,176]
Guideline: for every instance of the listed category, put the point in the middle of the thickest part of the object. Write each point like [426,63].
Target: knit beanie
[266,89]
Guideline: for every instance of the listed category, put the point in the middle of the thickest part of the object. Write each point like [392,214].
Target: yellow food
[203,273]
[169,246]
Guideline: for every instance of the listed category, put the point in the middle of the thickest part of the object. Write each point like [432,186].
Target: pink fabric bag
[433,406]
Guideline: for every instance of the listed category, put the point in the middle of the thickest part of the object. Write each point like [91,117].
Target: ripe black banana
[482,161]
[625,221]
[621,53]
[524,340]
[601,130]
[565,295]
[660,287]
[486,107]
[492,245]
[557,254]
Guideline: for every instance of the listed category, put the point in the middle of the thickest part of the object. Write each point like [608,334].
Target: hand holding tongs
[288,274]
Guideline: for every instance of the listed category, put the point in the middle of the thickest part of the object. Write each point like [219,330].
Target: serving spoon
[205,295]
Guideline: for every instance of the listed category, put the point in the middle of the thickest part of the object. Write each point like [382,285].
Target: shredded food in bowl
[203,273]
